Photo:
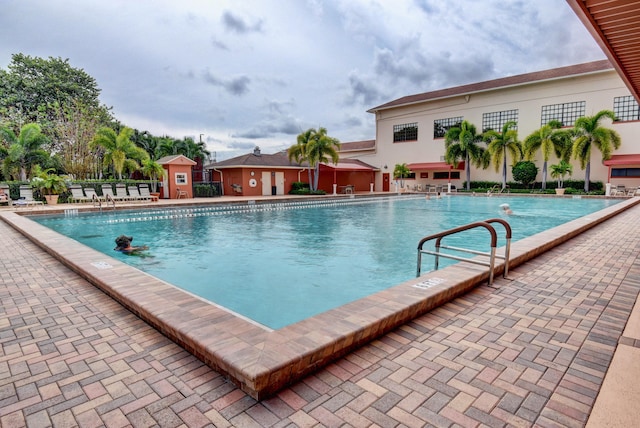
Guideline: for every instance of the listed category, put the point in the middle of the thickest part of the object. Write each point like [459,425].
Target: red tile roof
[555,73]
[357,145]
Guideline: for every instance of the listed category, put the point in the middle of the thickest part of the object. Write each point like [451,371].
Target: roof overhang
[349,167]
[623,160]
[434,165]
[615,25]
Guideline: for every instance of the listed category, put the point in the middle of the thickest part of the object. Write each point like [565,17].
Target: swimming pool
[280,263]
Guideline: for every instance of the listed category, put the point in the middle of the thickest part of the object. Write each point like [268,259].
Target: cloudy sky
[248,73]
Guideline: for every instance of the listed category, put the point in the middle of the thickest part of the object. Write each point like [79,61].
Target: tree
[549,138]
[401,171]
[315,147]
[560,170]
[588,132]
[462,143]
[499,143]
[120,151]
[32,85]
[524,172]
[153,170]
[23,151]
[74,127]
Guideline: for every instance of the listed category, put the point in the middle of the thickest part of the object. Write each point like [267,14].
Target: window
[441,126]
[405,132]
[566,113]
[181,178]
[625,172]
[626,108]
[497,119]
[445,175]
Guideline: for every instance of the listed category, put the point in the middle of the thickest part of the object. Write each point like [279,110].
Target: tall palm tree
[401,171]
[24,150]
[321,148]
[120,151]
[588,132]
[499,143]
[154,171]
[549,138]
[461,142]
[314,147]
[298,152]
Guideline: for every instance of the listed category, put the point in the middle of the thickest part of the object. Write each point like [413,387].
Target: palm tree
[120,151]
[461,142]
[315,147]
[298,152]
[401,171]
[499,143]
[559,170]
[153,170]
[548,138]
[588,132]
[24,151]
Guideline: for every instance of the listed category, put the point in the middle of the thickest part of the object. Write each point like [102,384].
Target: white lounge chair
[134,193]
[26,197]
[77,194]
[107,192]
[92,195]
[145,195]
[121,193]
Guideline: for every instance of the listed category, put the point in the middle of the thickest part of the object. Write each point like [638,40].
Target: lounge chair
[121,193]
[145,195]
[77,194]
[92,195]
[5,198]
[107,192]
[134,193]
[26,197]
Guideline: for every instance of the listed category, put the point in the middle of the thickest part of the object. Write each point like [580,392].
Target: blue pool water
[280,263]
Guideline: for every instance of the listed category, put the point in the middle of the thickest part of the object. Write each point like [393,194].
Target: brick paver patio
[531,352]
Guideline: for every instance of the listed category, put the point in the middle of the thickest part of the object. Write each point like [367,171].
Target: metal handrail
[492,254]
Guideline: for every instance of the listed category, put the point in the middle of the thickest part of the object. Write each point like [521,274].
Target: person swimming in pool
[123,244]
[506,209]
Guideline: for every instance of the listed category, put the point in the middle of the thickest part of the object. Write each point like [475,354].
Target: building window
[625,172]
[405,132]
[441,126]
[181,178]
[566,113]
[444,175]
[626,108]
[497,119]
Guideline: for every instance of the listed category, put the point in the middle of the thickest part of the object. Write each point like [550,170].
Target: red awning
[623,160]
[433,165]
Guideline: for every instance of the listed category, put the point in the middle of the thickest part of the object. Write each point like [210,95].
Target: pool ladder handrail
[492,254]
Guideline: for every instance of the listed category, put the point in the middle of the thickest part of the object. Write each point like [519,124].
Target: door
[266,183]
[385,182]
[280,183]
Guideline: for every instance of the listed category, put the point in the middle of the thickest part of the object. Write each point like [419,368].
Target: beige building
[411,129]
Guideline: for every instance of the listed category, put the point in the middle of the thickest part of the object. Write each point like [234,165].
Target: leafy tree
[401,171]
[23,151]
[499,143]
[74,127]
[588,132]
[461,142]
[32,85]
[559,170]
[549,138]
[524,172]
[315,147]
[120,151]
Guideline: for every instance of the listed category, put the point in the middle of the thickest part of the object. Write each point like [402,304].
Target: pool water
[280,263]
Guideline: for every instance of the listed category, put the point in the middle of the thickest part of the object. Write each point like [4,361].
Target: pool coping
[262,361]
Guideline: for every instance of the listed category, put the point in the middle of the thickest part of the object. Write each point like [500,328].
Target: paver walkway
[533,351]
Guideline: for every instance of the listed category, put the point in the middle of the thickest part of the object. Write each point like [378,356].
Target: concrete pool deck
[517,353]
